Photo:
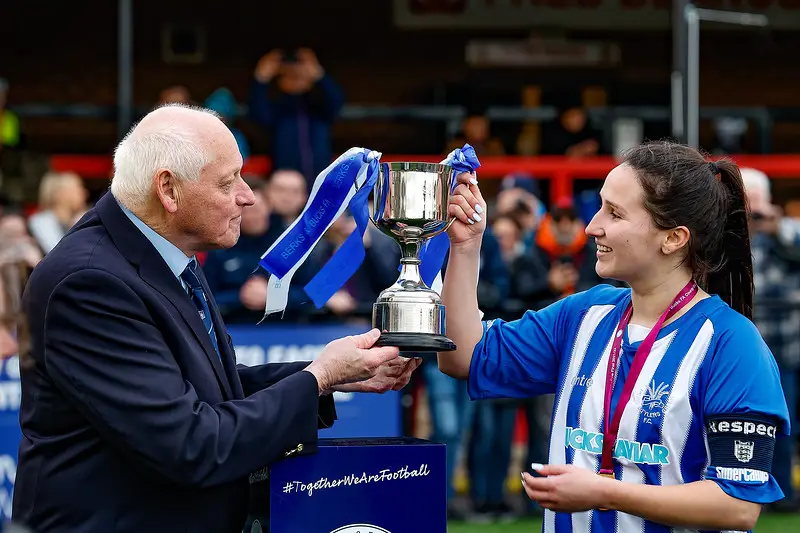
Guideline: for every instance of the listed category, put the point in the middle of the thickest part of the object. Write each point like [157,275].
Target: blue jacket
[131,422]
[227,270]
[300,124]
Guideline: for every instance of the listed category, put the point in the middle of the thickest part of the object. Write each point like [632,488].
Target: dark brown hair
[681,188]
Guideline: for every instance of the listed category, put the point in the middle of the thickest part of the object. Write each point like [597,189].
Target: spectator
[518,198]
[17,242]
[476,132]
[571,255]
[238,285]
[356,297]
[175,94]
[287,194]
[300,114]
[572,135]
[62,201]
[452,413]
[15,266]
[224,103]
[775,242]
[529,280]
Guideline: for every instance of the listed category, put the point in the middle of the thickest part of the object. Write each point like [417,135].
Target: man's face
[210,208]
[574,120]
[286,193]
[476,129]
[255,217]
[294,79]
[758,200]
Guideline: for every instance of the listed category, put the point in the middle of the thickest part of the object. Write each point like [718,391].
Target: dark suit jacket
[130,421]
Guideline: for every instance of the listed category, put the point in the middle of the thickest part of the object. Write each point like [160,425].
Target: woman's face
[628,243]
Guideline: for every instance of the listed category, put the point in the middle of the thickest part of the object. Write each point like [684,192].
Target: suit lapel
[158,276]
[155,272]
[225,347]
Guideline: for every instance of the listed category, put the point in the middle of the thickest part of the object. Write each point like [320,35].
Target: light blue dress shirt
[176,260]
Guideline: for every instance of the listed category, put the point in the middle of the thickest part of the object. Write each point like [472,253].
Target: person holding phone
[298,101]
[668,402]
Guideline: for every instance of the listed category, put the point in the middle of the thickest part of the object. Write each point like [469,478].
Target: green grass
[766,524]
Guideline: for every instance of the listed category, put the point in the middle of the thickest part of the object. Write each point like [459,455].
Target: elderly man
[135,416]
[775,241]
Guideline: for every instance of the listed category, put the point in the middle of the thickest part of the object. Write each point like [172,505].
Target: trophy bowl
[410,206]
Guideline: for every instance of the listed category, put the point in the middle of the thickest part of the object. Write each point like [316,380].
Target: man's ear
[675,240]
[167,189]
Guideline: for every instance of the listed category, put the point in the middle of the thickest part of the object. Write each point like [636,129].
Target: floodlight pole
[124,67]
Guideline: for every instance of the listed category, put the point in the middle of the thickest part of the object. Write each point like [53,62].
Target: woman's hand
[566,488]
[469,208]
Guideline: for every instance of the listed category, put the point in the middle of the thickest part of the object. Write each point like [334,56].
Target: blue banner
[359,415]
[10,433]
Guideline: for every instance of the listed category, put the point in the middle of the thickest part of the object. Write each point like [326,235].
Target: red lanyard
[611,429]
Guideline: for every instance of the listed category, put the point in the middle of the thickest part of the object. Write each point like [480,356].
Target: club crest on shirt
[654,401]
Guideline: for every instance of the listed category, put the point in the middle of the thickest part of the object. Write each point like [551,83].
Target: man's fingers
[381,354]
[366,340]
[405,376]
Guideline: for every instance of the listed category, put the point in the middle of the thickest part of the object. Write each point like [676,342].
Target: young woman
[668,402]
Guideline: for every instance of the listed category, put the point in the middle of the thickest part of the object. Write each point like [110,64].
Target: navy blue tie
[189,275]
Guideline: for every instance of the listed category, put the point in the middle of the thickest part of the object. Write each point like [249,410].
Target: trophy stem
[410,248]
[410,276]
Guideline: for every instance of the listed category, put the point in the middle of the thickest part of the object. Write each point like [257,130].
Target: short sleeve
[745,412]
[518,359]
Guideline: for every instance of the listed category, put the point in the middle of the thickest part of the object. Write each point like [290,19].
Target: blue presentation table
[376,485]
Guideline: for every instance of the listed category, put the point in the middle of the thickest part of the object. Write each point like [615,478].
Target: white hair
[172,145]
[755,179]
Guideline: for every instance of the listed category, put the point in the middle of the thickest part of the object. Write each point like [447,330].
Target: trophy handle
[442,230]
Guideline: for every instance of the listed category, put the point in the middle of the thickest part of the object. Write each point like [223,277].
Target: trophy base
[416,342]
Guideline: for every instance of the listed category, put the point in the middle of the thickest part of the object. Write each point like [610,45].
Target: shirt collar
[176,260]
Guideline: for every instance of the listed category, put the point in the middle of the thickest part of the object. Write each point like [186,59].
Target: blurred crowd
[533,253]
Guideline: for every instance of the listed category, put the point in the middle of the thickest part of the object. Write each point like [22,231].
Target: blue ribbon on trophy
[432,256]
[333,191]
[351,253]
[346,183]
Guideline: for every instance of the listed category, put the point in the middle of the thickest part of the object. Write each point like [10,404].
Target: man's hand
[393,375]
[308,59]
[341,303]
[562,276]
[351,359]
[268,66]
[253,293]
[566,488]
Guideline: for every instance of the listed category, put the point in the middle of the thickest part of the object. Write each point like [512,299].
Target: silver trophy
[410,201]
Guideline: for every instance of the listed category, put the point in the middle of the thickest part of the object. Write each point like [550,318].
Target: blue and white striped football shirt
[710,364]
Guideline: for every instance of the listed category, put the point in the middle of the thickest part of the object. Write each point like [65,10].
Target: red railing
[560,171]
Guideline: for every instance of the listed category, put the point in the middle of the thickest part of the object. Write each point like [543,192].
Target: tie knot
[190,276]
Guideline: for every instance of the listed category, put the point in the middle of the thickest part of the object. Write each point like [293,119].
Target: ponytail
[731,277]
